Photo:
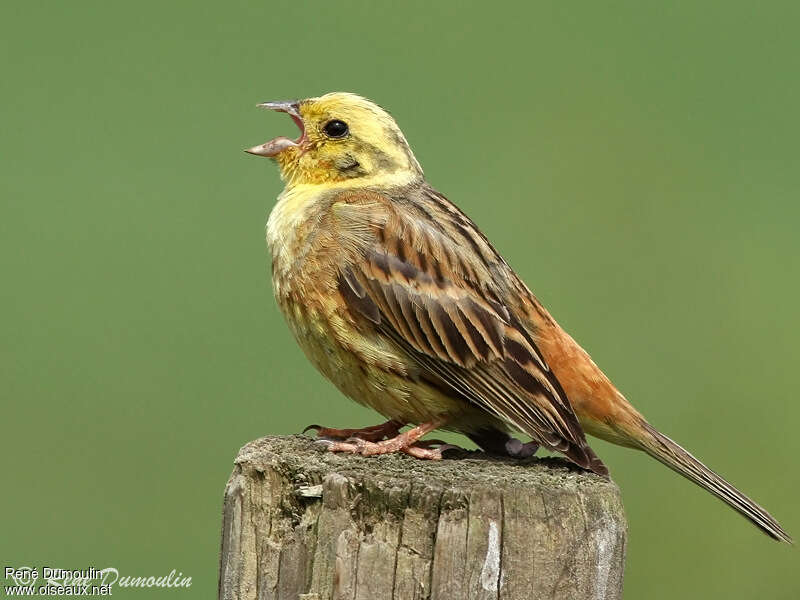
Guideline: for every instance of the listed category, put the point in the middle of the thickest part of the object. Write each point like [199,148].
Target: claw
[428,453]
[446,447]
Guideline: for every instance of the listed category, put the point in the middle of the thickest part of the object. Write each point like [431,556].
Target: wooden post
[303,524]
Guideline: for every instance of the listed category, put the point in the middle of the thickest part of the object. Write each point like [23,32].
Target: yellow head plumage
[344,138]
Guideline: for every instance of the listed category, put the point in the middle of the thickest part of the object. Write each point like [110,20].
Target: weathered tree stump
[301,523]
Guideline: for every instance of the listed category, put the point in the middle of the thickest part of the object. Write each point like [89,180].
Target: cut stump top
[301,459]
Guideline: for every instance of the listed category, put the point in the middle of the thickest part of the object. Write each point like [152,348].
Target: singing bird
[396,296]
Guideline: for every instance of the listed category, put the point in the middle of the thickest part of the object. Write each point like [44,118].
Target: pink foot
[406,442]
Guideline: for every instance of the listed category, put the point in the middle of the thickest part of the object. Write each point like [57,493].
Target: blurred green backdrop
[638,163]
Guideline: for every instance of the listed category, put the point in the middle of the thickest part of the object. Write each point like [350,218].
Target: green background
[638,163]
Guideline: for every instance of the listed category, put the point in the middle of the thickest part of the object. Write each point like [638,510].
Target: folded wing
[421,274]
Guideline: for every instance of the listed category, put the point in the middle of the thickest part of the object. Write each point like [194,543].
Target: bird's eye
[335,128]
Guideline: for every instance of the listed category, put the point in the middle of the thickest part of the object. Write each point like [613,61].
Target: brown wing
[412,273]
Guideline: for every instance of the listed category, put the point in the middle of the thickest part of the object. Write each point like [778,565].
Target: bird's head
[344,138]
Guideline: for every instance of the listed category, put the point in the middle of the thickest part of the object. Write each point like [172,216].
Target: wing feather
[454,320]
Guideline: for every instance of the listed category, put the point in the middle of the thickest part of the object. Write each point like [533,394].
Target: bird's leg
[374,433]
[403,442]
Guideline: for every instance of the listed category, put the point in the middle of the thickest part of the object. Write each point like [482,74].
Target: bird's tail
[679,460]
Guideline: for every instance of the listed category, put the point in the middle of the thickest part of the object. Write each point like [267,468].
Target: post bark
[303,524]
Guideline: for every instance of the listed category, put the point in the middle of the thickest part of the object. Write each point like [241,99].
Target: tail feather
[679,460]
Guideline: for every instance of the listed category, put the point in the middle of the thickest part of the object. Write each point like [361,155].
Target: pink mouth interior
[277,145]
[299,122]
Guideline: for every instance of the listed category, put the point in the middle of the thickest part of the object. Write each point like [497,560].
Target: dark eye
[336,128]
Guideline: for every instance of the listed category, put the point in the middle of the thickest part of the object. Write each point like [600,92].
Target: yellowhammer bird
[397,297]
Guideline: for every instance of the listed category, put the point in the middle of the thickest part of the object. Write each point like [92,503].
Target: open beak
[279,144]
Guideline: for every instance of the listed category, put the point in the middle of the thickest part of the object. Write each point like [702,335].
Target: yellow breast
[364,366]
